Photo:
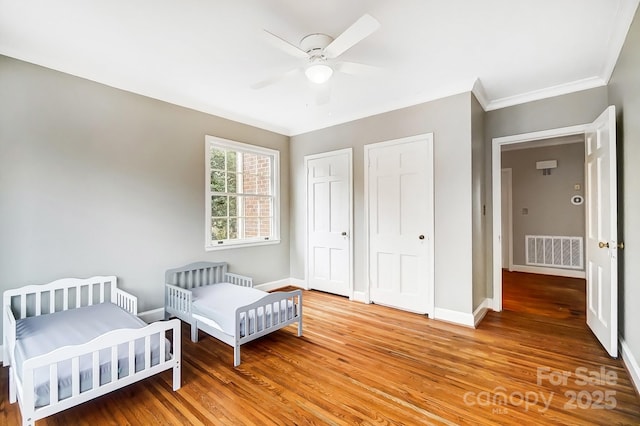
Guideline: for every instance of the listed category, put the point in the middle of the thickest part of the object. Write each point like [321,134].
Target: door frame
[430,229]
[496,190]
[307,158]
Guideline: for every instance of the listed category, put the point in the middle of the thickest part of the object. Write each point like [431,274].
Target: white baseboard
[297,282]
[569,273]
[631,363]
[273,285]
[481,311]
[152,315]
[360,296]
[455,317]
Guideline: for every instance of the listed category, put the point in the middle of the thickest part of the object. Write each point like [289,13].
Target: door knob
[603,245]
[421,237]
[344,234]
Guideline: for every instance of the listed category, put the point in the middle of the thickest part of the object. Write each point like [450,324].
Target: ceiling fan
[320,52]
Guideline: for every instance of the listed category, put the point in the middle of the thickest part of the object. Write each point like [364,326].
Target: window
[242,205]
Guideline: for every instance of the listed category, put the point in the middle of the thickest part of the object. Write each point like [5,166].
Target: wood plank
[370,364]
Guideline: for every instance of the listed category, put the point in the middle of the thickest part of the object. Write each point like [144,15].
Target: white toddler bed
[71,332]
[226,306]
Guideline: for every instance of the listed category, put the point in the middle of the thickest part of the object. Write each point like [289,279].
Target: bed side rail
[177,300]
[238,279]
[196,274]
[283,308]
[111,340]
[59,295]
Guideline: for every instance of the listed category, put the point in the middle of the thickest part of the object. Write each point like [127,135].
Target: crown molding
[549,92]
[624,17]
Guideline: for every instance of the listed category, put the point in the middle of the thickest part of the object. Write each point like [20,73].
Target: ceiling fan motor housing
[314,44]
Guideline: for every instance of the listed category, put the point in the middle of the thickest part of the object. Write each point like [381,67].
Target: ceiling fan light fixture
[318,73]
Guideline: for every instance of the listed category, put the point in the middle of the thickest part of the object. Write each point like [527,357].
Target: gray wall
[450,121]
[560,111]
[624,93]
[478,172]
[546,198]
[95,180]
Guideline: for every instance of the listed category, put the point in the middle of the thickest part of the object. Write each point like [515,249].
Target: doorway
[601,221]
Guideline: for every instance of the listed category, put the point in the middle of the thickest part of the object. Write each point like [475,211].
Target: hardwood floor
[368,364]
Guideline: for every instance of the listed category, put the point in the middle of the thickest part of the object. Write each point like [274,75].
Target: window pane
[265,227]
[251,206]
[233,229]
[249,163]
[233,206]
[265,206]
[232,182]
[249,183]
[217,181]
[232,161]
[217,159]
[251,227]
[219,229]
[219,206]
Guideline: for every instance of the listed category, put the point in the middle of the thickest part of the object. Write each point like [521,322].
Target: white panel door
[602,231]
[329,222]
[400,223]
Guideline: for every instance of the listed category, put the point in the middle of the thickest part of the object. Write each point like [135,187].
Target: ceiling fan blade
[355,68]
[274,79]
[285,46]
[357,32]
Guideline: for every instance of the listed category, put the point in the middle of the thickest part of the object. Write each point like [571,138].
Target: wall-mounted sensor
[576,200]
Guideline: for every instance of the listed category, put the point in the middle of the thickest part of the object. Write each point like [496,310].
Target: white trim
[542,270]
[481,94]
[297,282]
[152,315]
[349,152]
[481,311]
[1,354]
[631,363]
[496,191]
[430,230]
[624,17]
[274,285]
[360,296]
[548,92]
[455,317]
[545,142]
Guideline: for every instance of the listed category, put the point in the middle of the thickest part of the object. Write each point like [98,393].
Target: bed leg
[300,327]
[236,355]
[12,386]
[176,377]
[194,332]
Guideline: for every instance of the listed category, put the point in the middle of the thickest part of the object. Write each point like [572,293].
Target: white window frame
[210,244]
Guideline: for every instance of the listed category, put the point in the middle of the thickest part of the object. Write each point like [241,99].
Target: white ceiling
[205,54]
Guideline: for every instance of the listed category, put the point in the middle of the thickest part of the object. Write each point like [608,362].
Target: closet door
[399,190]
[329,222]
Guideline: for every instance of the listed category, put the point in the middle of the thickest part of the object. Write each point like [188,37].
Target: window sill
[227,246]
